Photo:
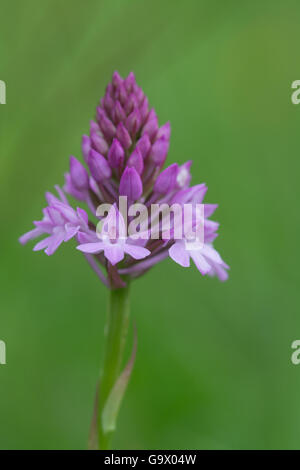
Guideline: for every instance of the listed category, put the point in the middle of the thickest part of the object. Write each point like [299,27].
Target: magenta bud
[131,104]
[133,122]
[108,102]
[109,89]
[159,151]
[98,166]
[151,128]
[144,109]
[164,131]
[136,161]
[100,113]
[129,82]
[99,144]
[144,144]
[116,79]
[119,113]
[121,94]
[94,127]
[107,127]
[131,184]
[151,115]
[166,180]
[115,154]
[85,147]
[123,136]
[138,93]
[79,175]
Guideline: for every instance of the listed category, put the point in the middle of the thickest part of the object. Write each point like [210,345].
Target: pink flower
[60,222]
[114,241]
[205,257]
[124,155]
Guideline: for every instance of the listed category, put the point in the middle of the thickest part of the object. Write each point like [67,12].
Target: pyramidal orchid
[127,212]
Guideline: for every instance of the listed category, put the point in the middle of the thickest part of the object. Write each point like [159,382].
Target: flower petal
[34,233]
[54,242]
[70,232]
[179,254]
[42,244]
[91,247]
[137,252]
[212,254]
[200,262]
[114,253]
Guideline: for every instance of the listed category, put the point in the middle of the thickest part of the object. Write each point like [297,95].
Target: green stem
[116,333]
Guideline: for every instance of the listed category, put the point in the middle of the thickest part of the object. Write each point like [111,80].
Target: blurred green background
[213,368]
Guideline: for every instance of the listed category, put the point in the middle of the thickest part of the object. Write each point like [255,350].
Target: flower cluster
[124,155]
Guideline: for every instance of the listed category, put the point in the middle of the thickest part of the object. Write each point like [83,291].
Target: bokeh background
[213,368]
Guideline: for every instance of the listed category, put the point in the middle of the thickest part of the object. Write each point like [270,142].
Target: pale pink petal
[137,252]
[61,194]
[179,254]
[91,247]
[54,242]
[36,232]
[56,216]
[114,253]
[51,199]
[87,237]
[70,231]
[209,209]
[200,261]
[42,244]
[212,254]
[82,215]
[67,212]
[221,272]
[44,225]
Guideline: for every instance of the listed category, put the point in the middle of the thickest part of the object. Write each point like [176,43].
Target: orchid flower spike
[123,157]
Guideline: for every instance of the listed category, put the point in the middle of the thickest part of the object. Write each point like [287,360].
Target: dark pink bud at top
[116,154]
[99,143]
[121,94]
[159,151]
[136,161]
[166,180]
[100,113]
[131,104]
[108,103]
[123,136]
[144,109]
[85,147]
[119,113]
[164,131]
[79,175]
[144,144]
[117,79]
[107,127]
[94,127]
[98,166]
[129,82]
[139,94]
[151,128]
[109,89]
[131,184]
[133,122]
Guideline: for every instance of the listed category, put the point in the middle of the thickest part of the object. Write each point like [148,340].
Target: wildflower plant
[135,215]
